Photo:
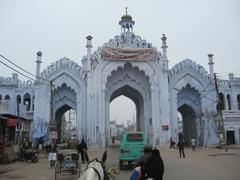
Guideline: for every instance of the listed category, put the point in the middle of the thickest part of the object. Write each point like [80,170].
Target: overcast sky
[59,28]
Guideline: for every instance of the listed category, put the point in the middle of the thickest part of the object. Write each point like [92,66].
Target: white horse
[95,169]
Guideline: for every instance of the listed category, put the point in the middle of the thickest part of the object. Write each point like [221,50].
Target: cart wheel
[57,171]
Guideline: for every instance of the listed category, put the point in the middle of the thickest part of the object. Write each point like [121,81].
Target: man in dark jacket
[82,149]
[181,147]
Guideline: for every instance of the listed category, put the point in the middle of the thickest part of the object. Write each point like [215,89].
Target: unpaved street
[209,164]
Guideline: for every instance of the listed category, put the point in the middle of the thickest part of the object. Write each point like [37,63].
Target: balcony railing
[231,114]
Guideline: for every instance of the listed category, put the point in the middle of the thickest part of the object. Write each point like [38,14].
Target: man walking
[181,147]
[52,156]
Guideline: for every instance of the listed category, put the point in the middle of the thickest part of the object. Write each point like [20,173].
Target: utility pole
[18,123]
[220,122]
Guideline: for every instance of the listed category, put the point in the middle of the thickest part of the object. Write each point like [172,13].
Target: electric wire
[17,71]
[21,68]
[208,91]
[205,88]
[61,98]
[209,98]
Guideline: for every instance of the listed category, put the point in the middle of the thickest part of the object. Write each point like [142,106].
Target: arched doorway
[188,122]
[64,102]
[134,84]
[122,117]
[137,98]
[66,123]
[189,106]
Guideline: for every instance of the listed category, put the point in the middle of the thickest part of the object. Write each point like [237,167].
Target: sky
[59,28]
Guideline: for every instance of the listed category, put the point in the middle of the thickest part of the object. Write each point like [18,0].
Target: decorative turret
[126,23]
[164,44]
[210,63]
[15,77]
[38,61]
[89,50]
[164,48]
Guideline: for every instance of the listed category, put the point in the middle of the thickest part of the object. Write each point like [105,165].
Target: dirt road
[210,164]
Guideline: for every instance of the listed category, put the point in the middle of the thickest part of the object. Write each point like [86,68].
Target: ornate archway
[134,84]
[189,105]
[64,99]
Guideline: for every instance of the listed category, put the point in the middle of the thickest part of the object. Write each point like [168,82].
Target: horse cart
[67,163]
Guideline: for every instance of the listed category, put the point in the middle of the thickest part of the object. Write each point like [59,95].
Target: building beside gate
[128,65]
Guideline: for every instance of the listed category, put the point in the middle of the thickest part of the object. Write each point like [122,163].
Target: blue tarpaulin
[39,134]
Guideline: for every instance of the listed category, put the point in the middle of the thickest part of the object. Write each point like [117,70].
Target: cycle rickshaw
[67,163]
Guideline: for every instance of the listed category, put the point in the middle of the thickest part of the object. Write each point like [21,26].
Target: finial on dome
[126,22]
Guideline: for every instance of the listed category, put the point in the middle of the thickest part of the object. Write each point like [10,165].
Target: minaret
[38,61]
[210,63]
[89,50]
[89,123]
[126,23]
[164,50]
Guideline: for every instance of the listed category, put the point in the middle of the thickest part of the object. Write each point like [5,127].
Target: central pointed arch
[131,82]
[137,98]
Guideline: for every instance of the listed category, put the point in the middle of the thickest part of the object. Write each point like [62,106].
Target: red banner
[129,54]
[11,122]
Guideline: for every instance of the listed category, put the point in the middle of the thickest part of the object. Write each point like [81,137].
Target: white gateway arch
[126,65]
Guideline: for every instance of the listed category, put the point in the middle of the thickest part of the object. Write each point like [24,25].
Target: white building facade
[129,65]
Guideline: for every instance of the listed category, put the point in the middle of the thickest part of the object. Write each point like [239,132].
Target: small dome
[126,17]
[126,22]
[39,53]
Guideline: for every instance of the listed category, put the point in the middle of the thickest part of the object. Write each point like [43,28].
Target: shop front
[12,131]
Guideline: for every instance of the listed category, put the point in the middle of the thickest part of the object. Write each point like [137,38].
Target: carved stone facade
[158,92]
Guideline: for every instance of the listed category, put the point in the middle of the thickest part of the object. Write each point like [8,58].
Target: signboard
[52,124]
[53,135]
[165,127]
[129,54]
[11,122]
